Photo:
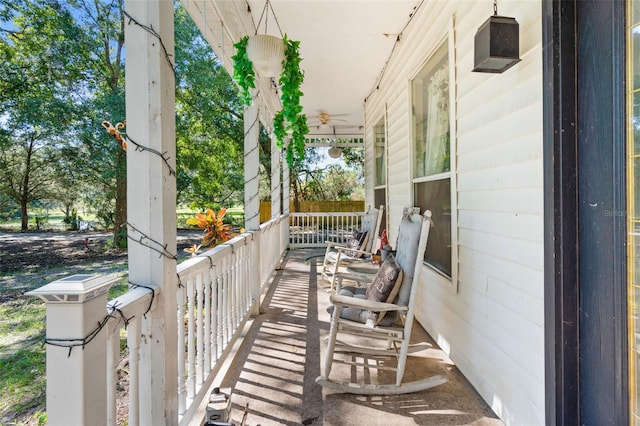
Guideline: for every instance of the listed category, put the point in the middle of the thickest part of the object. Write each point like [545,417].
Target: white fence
[309,230]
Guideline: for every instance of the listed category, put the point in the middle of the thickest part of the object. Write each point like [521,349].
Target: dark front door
[584,67]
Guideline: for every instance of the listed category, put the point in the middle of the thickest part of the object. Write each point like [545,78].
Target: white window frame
[452,173]
[384,186]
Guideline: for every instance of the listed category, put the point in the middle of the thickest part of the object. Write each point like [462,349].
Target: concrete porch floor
[275,368]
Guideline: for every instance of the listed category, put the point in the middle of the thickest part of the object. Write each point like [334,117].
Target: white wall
[492,323]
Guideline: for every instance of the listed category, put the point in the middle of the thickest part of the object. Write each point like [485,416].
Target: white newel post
[275,179]
[76,373]
[151,199]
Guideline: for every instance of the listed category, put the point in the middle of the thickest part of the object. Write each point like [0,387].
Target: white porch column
[251,196]
[151,198]
[76,375]
[275,179]
[251,168]
[286,181]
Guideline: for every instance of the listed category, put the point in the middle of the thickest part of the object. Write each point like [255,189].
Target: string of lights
[163,155]
[256,176]
[154,33]
[113,311]
[121,136]
[147,241]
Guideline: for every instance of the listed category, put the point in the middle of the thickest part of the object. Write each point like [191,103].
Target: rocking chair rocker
[384,318]
[338,255]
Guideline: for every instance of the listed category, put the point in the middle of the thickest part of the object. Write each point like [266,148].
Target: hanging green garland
[290,120]
[290,82]
[243,73]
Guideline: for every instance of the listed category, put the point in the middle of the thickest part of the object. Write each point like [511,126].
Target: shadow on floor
[280,358]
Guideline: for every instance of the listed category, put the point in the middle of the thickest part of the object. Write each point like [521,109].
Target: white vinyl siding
[491,324]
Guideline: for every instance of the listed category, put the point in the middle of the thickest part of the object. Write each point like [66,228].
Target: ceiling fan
[325,120]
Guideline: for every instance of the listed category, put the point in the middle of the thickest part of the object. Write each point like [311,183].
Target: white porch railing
[217,292]
[308,230]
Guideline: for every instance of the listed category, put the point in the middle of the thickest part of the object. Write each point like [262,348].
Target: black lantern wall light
[497,44]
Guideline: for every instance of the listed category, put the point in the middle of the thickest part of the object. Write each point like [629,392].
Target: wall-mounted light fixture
[497,44]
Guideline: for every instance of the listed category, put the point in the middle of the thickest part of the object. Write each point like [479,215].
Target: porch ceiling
[344,45]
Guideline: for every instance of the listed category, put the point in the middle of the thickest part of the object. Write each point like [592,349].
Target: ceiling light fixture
[335,152]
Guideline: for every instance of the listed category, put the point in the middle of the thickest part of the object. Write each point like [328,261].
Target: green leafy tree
[40,82]
[104,164]
[209,125]
[311,181]
[342,184]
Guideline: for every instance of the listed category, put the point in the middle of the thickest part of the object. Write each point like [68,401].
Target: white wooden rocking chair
[338,255]
[385,327]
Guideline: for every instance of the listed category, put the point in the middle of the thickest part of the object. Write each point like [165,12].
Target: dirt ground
[32,251]
[30,259]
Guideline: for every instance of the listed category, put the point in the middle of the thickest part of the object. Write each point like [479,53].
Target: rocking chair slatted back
[337,255]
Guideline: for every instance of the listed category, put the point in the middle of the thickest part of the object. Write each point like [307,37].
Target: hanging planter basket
[266,53]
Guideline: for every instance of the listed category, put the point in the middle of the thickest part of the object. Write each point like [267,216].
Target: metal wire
[265,15]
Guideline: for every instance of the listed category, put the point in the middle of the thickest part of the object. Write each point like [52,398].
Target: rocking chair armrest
[364,304]
[334,244]
[343,249]
[330,243]
[353,277]
[360,279]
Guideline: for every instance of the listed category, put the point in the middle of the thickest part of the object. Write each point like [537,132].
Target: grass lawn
[22,360]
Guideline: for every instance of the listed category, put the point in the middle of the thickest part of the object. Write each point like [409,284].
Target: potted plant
[290,120]
[214,230]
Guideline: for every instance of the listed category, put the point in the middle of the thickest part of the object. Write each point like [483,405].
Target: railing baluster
[113,358]
[133,343]
[182,388]
[215,312]
[233,291]
[191,356]
[199,319]
[225,308]
[207,321]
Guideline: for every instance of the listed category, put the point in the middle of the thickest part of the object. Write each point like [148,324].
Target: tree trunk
[24,196]
[296,196]
[120,219]
[25,217]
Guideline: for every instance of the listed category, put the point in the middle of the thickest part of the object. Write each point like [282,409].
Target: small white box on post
[76,349]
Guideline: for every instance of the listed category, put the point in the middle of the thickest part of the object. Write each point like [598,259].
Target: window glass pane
[635,44]
[635,121]
[431,115]
[436,196]
[380,153]
[636,402]
[380,199]
[635,13]
[634,240]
